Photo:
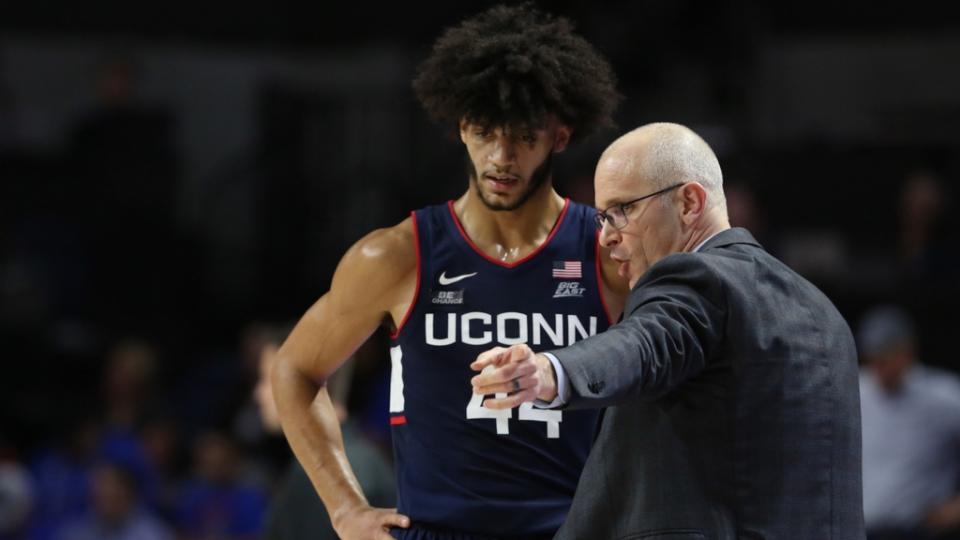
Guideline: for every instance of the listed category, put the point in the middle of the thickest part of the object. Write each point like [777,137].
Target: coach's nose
[609,235]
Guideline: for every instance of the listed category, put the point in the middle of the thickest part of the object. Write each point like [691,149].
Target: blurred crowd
[133,468]
[135,403]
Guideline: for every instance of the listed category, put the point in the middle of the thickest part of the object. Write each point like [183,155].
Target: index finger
[494,374]
[492,357]
[517,352]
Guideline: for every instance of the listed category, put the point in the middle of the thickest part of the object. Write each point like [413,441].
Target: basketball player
[509,261]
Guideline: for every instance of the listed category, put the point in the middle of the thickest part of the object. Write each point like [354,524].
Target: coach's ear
[561,137]
[693,199]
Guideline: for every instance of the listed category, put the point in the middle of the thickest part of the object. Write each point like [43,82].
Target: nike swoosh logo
[444,280]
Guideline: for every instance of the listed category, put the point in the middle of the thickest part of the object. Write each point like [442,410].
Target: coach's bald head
[646,160]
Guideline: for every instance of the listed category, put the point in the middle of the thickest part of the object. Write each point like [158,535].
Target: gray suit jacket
[733,405]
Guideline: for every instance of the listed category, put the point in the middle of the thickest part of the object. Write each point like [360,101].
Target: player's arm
[616,288]
[374,281]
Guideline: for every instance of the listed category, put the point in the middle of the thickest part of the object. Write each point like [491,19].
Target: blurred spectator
[115,511]
[911,434]
[129,381]
[124,148]
[927,234]
[214,502]
[123,153]
[215,391]
[61,480]
[16,496]
[62,474]
[296,511]
[248,426]
[160,439]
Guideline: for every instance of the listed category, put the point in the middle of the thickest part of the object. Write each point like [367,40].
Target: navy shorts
[422,532]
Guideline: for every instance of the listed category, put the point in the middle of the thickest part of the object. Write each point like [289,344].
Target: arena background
[182,176]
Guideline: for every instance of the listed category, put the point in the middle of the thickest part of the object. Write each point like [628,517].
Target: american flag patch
[567,269]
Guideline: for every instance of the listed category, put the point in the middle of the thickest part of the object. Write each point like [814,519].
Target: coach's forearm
[312,428]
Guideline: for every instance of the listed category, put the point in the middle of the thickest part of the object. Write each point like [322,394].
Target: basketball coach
[731,381]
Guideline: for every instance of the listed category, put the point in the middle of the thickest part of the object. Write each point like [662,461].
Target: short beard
[539,177]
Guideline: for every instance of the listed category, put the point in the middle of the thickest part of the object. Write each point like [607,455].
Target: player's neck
[509,235]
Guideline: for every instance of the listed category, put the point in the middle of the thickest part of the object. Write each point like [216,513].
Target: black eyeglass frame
[603,216]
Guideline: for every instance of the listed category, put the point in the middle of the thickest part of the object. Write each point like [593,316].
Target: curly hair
[514,66]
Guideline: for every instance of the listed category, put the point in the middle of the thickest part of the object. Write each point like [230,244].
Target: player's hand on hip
[515,371]
[369,523]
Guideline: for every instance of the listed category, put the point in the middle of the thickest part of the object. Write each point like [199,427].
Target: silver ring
[516,385]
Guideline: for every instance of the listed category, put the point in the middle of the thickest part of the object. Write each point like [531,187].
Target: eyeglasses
[617,214]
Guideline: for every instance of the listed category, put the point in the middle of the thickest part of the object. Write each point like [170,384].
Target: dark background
[180,172]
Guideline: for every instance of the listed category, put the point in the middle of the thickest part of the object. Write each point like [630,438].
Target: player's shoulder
[389,241]
[388,250]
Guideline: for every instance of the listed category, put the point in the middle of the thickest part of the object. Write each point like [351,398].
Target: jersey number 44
[475,409]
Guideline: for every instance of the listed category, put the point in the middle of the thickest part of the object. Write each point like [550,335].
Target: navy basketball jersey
[461,466]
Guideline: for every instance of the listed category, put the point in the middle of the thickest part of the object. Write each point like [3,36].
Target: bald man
[731,381]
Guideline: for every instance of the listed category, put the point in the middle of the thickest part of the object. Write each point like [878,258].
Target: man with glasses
[731,382]
[507,262]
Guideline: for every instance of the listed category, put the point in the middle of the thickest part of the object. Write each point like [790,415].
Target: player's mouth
[501,182]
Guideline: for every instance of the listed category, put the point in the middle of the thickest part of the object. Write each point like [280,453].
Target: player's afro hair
[514,66]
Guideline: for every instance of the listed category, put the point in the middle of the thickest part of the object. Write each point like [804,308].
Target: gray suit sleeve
[673,324]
